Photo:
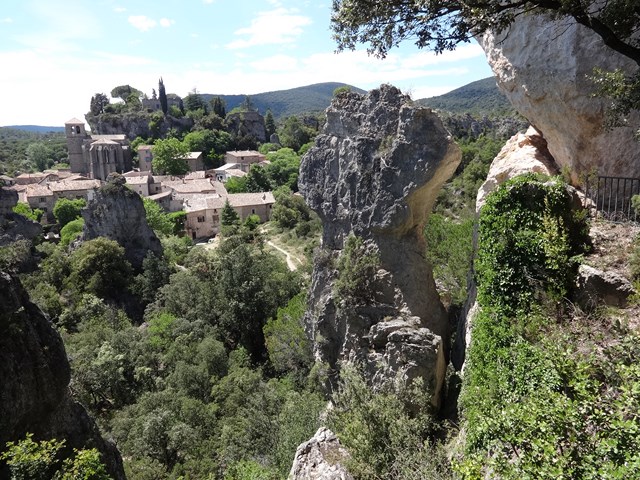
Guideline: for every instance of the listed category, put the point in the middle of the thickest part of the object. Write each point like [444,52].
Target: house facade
[244,158]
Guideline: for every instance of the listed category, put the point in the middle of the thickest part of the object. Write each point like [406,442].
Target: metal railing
[612,198]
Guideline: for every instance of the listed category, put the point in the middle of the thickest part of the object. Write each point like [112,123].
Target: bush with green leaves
[538,401]
[389,432]
[357,265]
[66,210]
[71,231]
[25,210]
[43,460]
[450,251]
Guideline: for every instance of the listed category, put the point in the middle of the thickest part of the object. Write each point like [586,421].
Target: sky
[55,55]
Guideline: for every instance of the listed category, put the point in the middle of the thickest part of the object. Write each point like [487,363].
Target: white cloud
[208,2]
[6,20]
[142,22]
[165,22]
[271,28]
[119,9]
[276,63]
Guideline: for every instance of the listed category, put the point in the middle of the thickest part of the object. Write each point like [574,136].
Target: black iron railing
[612,198]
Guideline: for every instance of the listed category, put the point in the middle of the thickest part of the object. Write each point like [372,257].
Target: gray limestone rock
[35,375]
[374,172]
[321,458]
[117,213]
[13,226]
[595,286]
[543,67]
[250,123]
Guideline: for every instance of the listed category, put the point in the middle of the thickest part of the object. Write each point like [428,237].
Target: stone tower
[76,135]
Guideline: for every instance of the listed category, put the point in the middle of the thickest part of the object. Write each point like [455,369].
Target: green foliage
[442,26]
[169,157]
[13,150]
[293,133]
[99,266]
[340,90]
[16,256]
[269,124]
[287,344]
[25,210]
[98,103]
[529,235]
[450,251]
[229,219]
[236,185]
[66,210]
[623,93]
[29,460]
[283,170]
[124,92]
[291,212]
[357,266]
[387,432]
[162,96]
[40,155]
[71,231]
[158,220]
[480,98]
[538,400]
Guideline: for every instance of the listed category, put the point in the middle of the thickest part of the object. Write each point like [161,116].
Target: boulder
[117,213]
[374,173]
[35,373]
[321,458]
[242,124]
[595,286]
[543,68]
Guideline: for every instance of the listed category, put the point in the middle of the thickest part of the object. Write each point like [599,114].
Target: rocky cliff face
[137,124]
[374,172]
[243,124]
[35,376]
[13,226]
[543,68]
[118,213]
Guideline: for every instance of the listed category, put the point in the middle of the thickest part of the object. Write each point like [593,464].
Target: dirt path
[290,263]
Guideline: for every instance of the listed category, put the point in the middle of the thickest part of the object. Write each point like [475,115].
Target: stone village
[201,193]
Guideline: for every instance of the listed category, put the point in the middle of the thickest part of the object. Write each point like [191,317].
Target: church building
[96,156]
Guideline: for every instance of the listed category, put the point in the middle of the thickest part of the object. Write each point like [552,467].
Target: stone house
[244,158]
[141,184]
[45,195]
[195,160]
[227,171]
[204,211]
[96,156]
[145,156]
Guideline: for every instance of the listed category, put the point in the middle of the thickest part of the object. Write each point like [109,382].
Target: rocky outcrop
[595,287]
[35,373]
[543,66]
[523,153]
[374,173]
[246,124]
[321,458]
[117,213]
[13,226]
[136,124]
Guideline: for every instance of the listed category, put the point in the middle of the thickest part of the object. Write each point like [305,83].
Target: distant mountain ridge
[283,103]
[36,128]
[481,97]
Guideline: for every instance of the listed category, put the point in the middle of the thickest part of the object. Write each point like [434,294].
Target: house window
[216,218]
[43,200]
[200,219]
[253,211]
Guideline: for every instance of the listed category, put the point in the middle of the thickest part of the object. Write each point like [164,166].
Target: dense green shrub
[537,401]
[357,266]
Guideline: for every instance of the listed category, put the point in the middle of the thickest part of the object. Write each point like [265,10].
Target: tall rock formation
[13,226]
[374,173]
[117,213]
[35,374]
[542,66]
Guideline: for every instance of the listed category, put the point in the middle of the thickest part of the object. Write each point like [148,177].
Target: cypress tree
[162,96]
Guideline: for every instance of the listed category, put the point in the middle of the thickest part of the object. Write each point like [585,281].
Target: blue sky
[56,54]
